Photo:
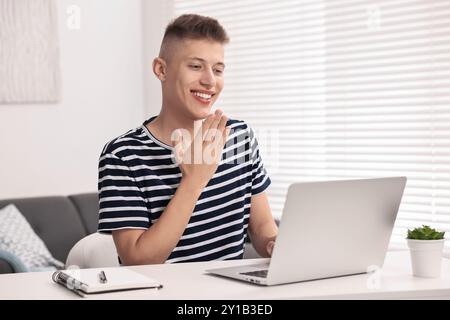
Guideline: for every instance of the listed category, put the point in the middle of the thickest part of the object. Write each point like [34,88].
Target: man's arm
[262,228]
[154,245]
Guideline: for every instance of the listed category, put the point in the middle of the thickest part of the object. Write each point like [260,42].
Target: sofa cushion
[19,240]
[54,219]
[87,206]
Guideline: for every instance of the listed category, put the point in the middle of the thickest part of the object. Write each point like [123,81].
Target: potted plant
[426,245]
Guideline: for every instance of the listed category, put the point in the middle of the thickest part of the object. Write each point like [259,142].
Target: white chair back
[93,251]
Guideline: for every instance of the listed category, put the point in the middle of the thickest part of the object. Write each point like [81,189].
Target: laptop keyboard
[257,273]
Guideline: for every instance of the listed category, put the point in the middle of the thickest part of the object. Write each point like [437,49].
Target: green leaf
[425,233]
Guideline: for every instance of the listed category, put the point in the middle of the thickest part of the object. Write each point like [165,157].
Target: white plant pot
[426,257]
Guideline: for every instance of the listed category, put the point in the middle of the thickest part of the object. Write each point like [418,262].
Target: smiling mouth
[202,97]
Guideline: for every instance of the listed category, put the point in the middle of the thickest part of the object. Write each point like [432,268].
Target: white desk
[188,281]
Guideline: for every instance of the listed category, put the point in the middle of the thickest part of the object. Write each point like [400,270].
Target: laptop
[328,229]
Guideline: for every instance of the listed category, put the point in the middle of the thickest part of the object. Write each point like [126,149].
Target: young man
[169,190]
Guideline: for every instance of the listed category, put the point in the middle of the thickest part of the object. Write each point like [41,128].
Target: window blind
[344,89]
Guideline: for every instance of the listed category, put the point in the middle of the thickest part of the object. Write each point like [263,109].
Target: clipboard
[103,280]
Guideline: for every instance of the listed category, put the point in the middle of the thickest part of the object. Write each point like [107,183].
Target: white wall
[155,16]
[53,149]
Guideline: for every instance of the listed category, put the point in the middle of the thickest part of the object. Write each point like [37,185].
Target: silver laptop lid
[335,228]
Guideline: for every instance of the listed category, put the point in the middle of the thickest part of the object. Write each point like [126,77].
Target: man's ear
[160,68]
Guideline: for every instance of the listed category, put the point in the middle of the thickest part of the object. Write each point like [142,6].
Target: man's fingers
[220,141]
[270,246]
[208,121]
[222,123]
[225,135]
[209,133]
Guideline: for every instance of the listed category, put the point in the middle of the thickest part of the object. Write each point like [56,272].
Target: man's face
[194,77]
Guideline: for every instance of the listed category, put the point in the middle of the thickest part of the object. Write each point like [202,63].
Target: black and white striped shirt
[138,176]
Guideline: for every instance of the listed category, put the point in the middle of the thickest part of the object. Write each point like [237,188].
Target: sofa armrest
[5,267]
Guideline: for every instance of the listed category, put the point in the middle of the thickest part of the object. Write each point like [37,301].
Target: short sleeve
[122,205]
[260,178]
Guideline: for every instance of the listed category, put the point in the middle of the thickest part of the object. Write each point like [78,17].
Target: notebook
[102,280]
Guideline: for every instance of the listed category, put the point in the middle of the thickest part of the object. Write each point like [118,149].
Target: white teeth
[202,95]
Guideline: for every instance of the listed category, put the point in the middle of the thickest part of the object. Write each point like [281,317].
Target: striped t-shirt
[138,176]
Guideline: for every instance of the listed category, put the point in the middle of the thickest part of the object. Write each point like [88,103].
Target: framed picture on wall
[29,58]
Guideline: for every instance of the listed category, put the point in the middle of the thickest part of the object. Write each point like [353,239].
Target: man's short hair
[195,27]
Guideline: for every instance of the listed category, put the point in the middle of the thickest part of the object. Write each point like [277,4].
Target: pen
[102,277]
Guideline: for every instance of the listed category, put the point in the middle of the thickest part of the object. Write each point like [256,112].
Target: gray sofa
[62,221]
[59,221]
